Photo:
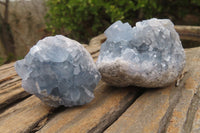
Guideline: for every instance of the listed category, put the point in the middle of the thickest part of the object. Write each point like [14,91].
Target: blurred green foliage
[1,61]
[196,2]
[83,19]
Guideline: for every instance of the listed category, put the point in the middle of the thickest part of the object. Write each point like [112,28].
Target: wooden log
[188,32]
[174,109]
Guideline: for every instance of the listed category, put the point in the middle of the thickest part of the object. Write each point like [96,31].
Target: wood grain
[24,116]
[6,66]
[108,105]
[188,32]
[12,94]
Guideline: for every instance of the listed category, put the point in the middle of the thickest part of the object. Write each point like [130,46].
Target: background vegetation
[82,19]
[24,22]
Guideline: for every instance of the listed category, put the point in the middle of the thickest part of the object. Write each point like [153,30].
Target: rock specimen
[59,71]
[147,55]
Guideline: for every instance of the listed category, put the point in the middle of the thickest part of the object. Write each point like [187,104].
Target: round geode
[147,55]
[59,71]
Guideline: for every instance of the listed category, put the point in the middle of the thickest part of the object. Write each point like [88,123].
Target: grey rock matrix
[147,55]
[59,71]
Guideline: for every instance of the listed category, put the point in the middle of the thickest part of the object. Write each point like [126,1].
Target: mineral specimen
[59,71]
[147,55]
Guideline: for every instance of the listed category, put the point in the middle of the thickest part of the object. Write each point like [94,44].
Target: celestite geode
[59,71]
[147,55]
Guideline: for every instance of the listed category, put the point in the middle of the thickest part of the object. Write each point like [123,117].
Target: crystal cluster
[59,71]
[147,55]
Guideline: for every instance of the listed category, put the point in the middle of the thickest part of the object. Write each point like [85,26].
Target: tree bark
[6,11]
[6,34]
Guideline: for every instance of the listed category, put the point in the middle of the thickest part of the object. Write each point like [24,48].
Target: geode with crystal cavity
[147,55]
[59,71]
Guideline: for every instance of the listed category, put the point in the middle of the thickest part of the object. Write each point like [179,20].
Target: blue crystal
[147,55]
[59,71]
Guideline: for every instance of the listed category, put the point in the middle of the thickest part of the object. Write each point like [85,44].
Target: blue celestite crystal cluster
[147,55]
[59,71]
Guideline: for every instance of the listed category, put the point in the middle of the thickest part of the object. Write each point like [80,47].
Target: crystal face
[147,55]
[59,71]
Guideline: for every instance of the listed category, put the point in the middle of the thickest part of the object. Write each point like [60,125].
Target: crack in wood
[194,105]
[85,112]
[173,100]
[53,113]
[22,96]
[109,118]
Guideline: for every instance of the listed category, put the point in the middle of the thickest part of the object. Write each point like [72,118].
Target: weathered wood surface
[131,109]
[188,32]
[108,105]
[10,88]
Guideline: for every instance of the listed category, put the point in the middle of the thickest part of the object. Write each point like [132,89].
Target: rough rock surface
[147,55]
[59,71]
